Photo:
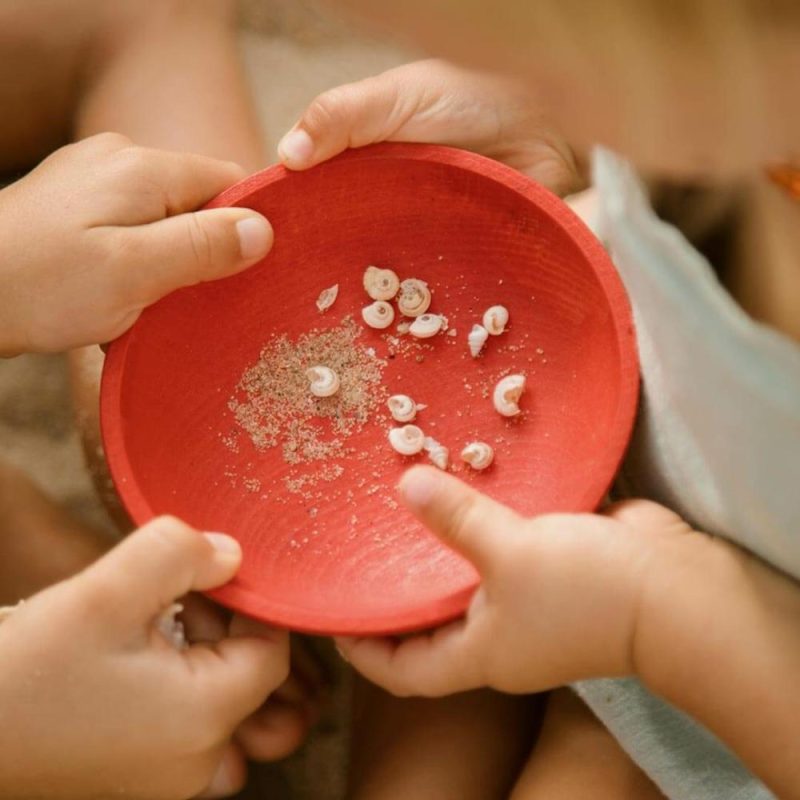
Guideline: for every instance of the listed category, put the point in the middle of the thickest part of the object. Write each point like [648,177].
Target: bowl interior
[338,555]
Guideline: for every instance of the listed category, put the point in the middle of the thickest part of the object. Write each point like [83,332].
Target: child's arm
[101,229]
[438,103]
[98,697]
[632,591]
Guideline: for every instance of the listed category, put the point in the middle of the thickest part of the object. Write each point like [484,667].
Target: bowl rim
[446,608]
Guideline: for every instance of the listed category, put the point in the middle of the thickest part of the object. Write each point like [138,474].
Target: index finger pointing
[467,521]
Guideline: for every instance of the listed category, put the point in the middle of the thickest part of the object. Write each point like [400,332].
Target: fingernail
[255,237]
[223,543]
[418,487]
[296,148]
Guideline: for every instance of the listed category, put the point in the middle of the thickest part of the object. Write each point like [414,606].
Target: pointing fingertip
[223,543]
[418,486]
[255,236]
[296,148]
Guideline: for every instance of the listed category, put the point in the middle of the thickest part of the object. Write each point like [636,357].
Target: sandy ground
[292,51]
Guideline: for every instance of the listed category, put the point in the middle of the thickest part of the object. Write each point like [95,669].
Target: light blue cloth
[717,440]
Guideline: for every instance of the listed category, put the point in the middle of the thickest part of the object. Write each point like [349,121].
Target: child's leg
[458,748]
[42,45]
[168,75]
[40,543]
[576,758]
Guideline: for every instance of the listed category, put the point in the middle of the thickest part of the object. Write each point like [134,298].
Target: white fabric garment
[717,440]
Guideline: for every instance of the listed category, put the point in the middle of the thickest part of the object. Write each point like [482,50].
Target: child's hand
[558,601]
[438,103]
[97,702]
[101,229]
[280,725]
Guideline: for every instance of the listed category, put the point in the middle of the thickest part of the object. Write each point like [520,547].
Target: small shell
[323,381]
[402,407]
[478,455]
[378,314]
[477,339]
[427,325]
[327,297]
[507,393]
[403,327]
[381,284]
[437,452]
[415,297]
[408,440]
[495,320]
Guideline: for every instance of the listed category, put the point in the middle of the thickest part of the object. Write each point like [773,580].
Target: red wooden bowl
[340,556]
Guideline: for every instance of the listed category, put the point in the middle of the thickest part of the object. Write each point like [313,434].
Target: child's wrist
[678,592]
[707,604]
[722,640]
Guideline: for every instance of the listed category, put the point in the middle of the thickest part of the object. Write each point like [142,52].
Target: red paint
[167,381]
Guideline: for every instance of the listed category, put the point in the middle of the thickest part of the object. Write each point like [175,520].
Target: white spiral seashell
[415,297]
[402,407]
[495,319]
[408,440]
[437,452]
[378,314]
[327,297]
[477,339]
[323,381]
[507,393]
[478,455]
[427,325]
[381,284]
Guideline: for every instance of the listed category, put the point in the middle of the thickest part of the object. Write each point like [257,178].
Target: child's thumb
[470,522]
[154,566]
[352,115]
[190,248]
